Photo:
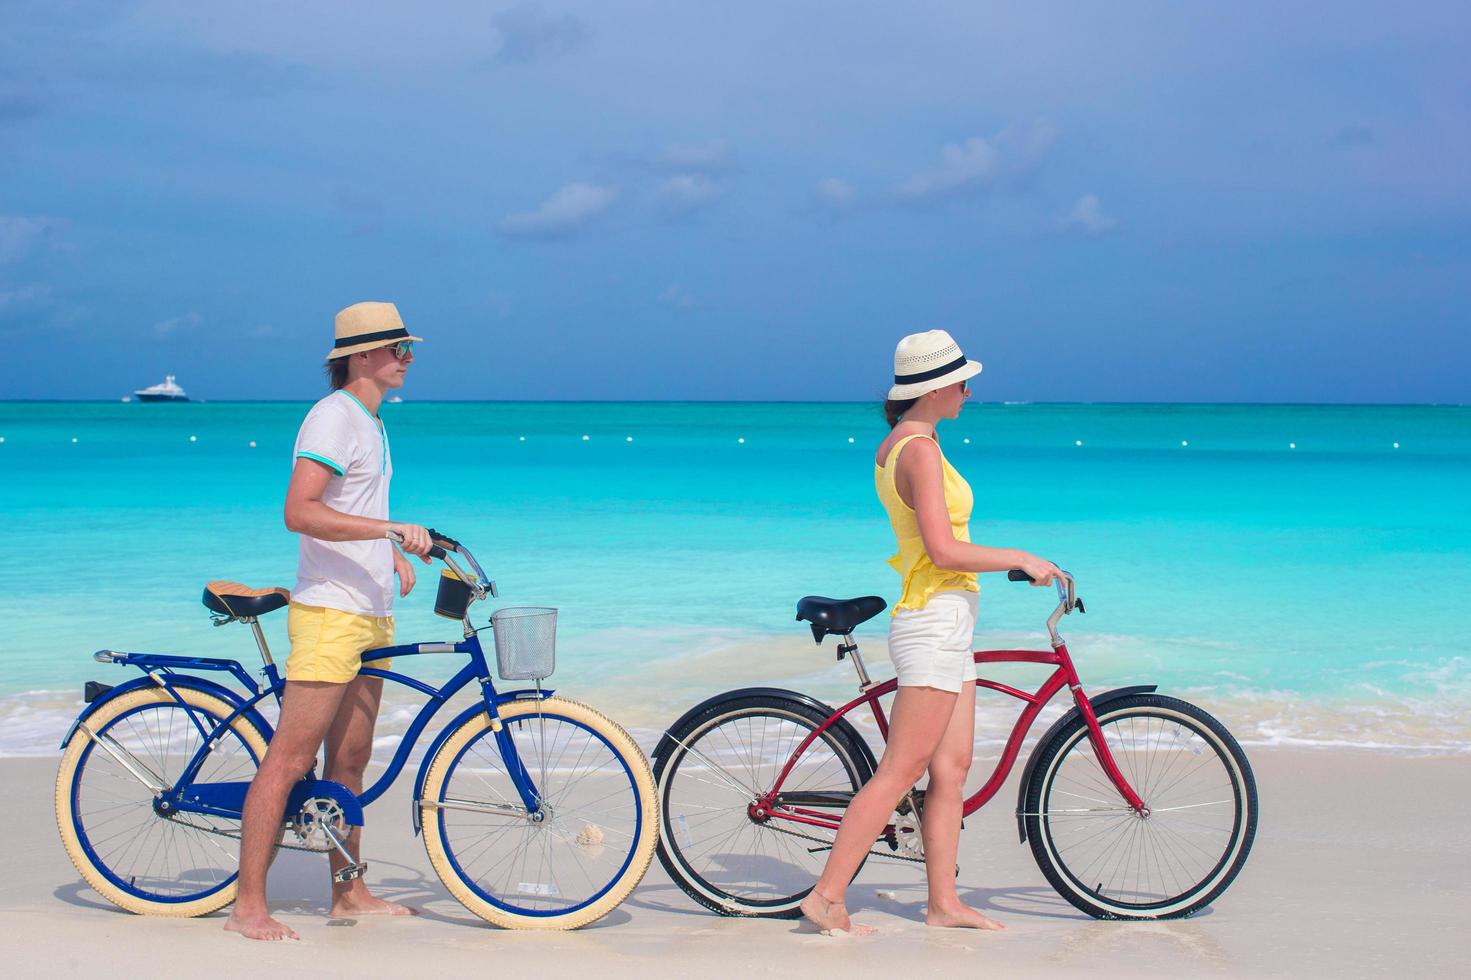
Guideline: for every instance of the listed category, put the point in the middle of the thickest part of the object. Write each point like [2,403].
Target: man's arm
[306,514]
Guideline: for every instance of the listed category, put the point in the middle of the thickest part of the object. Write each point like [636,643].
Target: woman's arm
[920,473]
[306,514]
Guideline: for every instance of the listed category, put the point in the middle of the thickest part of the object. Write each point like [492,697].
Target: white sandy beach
[1359,870]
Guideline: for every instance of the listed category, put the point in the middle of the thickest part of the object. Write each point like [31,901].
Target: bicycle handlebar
[435,551]
[1067,597]
[442,546]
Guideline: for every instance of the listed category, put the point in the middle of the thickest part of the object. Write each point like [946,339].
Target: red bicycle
[1136,805]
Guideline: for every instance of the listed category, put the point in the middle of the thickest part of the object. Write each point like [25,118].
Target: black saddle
[241,601]
[837,616]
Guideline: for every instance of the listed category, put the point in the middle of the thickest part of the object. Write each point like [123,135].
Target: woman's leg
[943,800]
[918,721]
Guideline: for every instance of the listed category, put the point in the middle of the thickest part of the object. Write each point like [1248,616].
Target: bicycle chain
[892,856]
[236,836]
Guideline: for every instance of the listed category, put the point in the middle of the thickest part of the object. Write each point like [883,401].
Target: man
[342,605]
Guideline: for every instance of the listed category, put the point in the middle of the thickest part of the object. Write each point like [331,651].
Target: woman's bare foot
[355,904]
[257,925]
[831,917]
[959,916]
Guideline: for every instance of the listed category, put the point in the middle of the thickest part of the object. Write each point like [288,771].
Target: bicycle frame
[227,799]
[773,805]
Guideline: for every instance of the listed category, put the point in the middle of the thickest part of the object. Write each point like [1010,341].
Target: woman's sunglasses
[402,349]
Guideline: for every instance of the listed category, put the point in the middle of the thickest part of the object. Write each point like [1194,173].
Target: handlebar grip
[1017,575]
[449,542]
[435,551]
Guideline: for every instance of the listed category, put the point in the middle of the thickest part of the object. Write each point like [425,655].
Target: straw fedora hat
[366,326]
[927,362]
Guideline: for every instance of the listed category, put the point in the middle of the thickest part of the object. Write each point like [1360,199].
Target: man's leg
[349,747]
[307,710]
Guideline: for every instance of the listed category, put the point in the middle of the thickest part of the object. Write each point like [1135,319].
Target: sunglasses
[402,349]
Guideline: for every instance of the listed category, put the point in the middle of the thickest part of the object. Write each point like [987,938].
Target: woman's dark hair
[894,409]
[337,372]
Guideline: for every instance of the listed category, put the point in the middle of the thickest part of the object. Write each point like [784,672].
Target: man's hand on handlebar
[412,538]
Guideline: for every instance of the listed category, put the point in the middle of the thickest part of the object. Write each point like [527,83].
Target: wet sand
[1359,870]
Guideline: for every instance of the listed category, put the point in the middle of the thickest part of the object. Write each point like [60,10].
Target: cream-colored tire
[602,827]
[98,802]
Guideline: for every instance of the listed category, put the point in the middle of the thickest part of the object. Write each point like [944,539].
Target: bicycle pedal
[350,873]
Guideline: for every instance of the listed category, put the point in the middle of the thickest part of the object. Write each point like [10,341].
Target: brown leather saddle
[241,601]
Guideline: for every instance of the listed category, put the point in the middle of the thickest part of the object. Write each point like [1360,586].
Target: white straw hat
[928,361]
[366,326]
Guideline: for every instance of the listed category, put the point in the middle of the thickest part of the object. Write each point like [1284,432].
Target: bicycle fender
[1097,701]
[524,694]
[807,700]
[432,751]
[220,691]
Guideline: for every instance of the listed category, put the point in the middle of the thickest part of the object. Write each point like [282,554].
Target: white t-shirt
[353,576]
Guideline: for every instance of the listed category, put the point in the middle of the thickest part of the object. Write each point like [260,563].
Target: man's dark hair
[337,372]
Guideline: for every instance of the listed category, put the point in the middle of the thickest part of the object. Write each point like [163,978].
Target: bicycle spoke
[1171,850]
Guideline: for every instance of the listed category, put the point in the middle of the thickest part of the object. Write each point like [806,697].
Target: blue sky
[1130,202]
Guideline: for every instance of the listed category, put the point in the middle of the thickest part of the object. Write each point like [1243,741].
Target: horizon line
[1019,403]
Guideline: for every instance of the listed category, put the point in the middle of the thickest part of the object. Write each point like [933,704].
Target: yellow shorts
[328,644]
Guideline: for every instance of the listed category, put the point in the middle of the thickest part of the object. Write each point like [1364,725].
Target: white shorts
[931,647]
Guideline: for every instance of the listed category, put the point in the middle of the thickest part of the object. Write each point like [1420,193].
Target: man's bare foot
[352,905]
[960,917]
[258,925]
[831,917]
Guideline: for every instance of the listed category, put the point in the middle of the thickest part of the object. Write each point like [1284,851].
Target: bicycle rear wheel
[721,854]
[590,848]
[1198,788]
[131,855]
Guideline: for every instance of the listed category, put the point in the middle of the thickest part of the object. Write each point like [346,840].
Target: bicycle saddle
[837,616]
[234,599]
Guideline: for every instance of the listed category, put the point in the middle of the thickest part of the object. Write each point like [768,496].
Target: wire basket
[525,642]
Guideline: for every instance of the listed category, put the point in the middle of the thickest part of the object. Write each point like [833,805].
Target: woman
[933,719]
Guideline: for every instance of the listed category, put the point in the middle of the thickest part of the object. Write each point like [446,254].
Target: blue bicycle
[537,812]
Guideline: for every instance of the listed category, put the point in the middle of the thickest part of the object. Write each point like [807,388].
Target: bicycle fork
[1105,755]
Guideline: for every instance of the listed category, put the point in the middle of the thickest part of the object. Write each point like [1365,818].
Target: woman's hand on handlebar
[413,539]
[1041,570]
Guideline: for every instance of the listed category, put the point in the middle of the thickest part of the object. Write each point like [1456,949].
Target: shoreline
[648,699]
[1338,885]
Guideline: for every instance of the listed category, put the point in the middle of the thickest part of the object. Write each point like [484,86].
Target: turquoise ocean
[1300,570]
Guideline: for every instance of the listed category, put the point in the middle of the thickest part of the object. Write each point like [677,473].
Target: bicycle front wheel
[580,856]
[1200,795]
[140,860]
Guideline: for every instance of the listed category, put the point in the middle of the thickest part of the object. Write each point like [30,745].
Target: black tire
[776,867]
[1180,857]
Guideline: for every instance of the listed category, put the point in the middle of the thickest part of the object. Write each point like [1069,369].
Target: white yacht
[167,391]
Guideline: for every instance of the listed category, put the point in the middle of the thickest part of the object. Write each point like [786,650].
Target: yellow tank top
[921,578]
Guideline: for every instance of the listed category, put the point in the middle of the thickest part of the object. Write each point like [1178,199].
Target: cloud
[713,155]
[25,297]
[1350,136]
[1087,217]
[19,235]
[528,33]
[228,74]
[566,212]
[835,196]
[173,325]
[678,297]
[684,194]
[978,165]
[21,97]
